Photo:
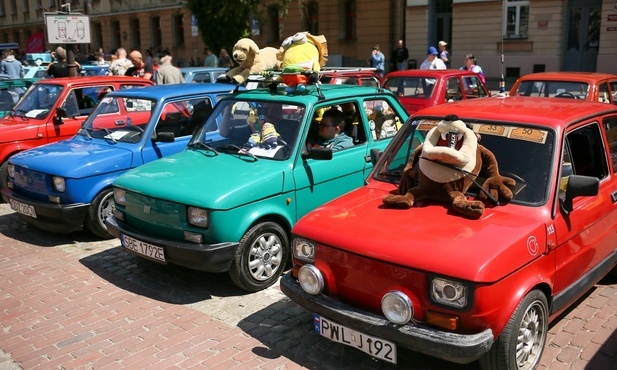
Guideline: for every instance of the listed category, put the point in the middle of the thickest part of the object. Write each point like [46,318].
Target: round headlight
[58,183]
[397,307]
[310,279]
[120,196]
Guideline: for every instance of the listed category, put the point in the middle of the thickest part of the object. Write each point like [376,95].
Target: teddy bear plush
[443,169]
[266,138]
[251,60]
[300,53]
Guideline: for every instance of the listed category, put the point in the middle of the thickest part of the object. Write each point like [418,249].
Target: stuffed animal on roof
[251,60]
[300,53]
[443,169]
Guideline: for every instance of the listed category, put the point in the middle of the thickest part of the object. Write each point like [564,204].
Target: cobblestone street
[73,302]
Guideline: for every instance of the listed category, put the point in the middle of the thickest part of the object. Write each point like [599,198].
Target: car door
[64,128]
[585,236]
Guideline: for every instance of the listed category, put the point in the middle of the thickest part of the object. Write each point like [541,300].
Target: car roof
[17,82]
[568,76]
[91,80]
[531,110]
[328,91]
[431,73]
[201,69]
[174,90]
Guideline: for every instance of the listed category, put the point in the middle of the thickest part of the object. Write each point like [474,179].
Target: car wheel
[98,211]
[4,176]
[261,257]
[520,345]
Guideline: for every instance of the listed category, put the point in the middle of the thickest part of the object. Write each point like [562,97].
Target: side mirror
[61,113]
[579,186]
[164,137]
[375,155]
[317,153]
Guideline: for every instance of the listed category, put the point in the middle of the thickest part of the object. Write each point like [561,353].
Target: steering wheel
[517,178]
[566,95]
[137,128]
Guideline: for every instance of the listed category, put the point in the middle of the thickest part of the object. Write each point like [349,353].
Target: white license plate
[24,209]
[145,249]
[376,347]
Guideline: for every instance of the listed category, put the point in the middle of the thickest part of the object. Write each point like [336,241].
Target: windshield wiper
[203,145]
[22,115]
[85,132]
[241,151]
[109,136]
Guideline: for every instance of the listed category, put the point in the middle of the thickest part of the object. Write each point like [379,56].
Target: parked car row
[219,178]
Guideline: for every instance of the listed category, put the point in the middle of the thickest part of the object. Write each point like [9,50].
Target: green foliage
[223,22]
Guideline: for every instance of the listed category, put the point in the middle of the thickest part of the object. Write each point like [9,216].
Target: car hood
[429,237]
[17,129]
[201,178]
[75,158]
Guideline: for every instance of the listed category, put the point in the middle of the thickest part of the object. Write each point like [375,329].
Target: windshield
[553,89]
[260,129]
[38,101]
[119,119]
[411,87]
[523,153]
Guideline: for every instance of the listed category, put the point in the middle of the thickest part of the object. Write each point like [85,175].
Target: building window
[516,19]
[155,31]
[39,5]
[116,38]
[178,26]
[13,4]
[310,17]
[135,34]
[26,6]
[52,4]
[274,22]
[2,9]
[349,20]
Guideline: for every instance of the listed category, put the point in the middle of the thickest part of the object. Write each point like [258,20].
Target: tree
[223,22]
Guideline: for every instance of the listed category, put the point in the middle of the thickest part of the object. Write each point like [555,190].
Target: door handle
[614,196]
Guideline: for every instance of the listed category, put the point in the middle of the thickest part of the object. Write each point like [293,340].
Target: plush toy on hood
[302,52]
[251,60]
[267,138]
[443,169]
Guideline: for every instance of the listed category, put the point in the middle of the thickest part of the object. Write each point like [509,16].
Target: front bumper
[56,218]
[203,257]
[459,348]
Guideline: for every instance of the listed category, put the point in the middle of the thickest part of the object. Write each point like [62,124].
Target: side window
[382,118]
[70,104]
[182,117]
[453,91]
[586,152]
[201,78]
[610,128]
[613,91]
[473,87]
[603,93]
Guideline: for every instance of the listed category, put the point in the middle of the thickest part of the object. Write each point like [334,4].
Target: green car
[11,90]
[229,200]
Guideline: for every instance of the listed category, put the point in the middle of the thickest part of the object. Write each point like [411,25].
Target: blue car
[66,186]
[202,74]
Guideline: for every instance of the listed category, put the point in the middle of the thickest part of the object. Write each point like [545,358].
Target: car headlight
[120,196]
[310,279]
[449,292]
[397,307]
[58,183]
[197,216]
[304,250]
[11,170]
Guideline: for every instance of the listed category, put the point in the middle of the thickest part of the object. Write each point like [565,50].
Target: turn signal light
[441,320]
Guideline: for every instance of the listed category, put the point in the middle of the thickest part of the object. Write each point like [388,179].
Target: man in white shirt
[431,61]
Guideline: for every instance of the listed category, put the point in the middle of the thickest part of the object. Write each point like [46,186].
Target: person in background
[61,68]
[470,64]
[431,61]
[211,59]
[168,73]
[443,53]
[121,64]
[377,60]
[400,56]
[139,68]
[225,60]
[11,66]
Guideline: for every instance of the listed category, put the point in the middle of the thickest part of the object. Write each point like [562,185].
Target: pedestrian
[470,63]
[168,73]
[443,53]
[211,59]
[431,61]
[11,66]
[377,60]
[140,68]
[224,59]
[121,64]
[60,68]
[400,56]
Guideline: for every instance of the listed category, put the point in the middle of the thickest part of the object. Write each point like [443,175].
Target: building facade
[508,37]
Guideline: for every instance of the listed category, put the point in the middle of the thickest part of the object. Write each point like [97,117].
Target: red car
[431,280]
[591,86]
[350,76]
[421,88]
[53,109]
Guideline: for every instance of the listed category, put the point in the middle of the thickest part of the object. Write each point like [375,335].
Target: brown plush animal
[251,60]
[443,168]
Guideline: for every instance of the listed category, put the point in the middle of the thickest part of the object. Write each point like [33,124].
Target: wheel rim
[105,209]
[531,336]
[265,257]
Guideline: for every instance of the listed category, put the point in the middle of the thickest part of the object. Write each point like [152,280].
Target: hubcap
[531,337]
[105,209]
[265,257]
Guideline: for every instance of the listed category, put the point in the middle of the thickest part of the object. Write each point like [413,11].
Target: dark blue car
[64,186]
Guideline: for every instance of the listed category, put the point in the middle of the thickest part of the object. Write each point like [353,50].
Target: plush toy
[251,60]
[266,138]
[442,169]
[301,52]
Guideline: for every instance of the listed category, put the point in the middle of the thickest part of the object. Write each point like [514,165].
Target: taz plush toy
[301,52]
[443,168]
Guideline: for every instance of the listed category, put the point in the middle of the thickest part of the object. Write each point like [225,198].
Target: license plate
[376,347]
[145,249]
[24,209]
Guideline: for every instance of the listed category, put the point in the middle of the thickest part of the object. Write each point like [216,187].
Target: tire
[99,209]
[4,176]
[520,345]
[261,257]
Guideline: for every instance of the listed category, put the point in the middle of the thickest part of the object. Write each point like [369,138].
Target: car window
[383,120]
[553,89]
[201,78]
[412,87]
[587,151]
[183,117]
[38,101]
[453,90]
[126,125]
[613,90]
[610,128]
[473,87]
